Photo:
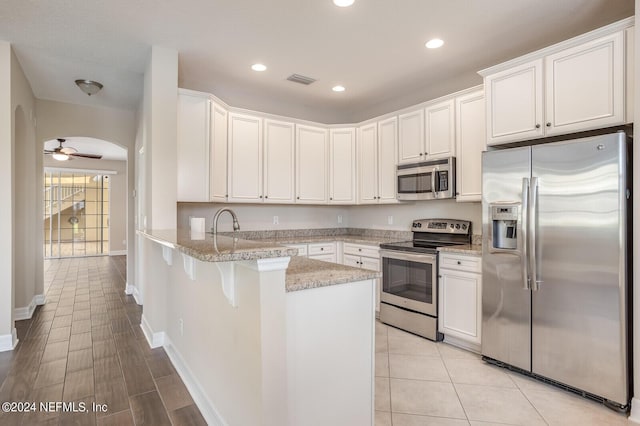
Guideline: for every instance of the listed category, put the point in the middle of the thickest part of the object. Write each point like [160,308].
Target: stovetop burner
[429,234]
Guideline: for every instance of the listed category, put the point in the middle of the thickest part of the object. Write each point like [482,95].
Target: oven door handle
[420,258]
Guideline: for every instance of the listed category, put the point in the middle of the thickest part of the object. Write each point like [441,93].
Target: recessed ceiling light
[258,67]
[434,43]
[343,3]
[338,89]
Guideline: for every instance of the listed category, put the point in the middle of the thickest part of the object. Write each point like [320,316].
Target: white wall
[253,217]
[118,194]
[27,247]
[118,126]
[257,217]
[6,215]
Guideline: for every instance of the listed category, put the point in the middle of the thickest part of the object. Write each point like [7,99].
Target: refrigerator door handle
[526,285]
[533,225]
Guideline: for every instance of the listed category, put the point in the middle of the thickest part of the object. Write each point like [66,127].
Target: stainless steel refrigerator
[554,256]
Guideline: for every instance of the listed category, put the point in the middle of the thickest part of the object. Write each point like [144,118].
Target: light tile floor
[423,383]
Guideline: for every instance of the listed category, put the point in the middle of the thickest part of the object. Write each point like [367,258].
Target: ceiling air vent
[297,78]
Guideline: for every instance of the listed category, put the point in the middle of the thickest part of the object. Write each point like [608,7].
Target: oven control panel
[449,226]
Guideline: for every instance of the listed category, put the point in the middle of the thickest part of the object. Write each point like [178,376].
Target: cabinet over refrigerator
[555,300]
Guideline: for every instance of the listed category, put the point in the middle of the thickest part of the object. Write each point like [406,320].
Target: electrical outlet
[390,220]
[181,325]
[339,218]
[275,220]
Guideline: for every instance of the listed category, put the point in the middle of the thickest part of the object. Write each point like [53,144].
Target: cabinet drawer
[361,250]
[329,257]
[321,248]
[461,262]
[302,248]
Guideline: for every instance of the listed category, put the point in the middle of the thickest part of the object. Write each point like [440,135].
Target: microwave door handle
[433,180]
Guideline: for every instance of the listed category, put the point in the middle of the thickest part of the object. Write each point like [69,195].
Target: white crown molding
[582,38]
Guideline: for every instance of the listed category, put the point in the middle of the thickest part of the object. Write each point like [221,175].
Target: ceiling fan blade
[46,151]
[97,157]
[68,150]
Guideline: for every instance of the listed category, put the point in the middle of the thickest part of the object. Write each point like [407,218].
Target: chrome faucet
[236,225]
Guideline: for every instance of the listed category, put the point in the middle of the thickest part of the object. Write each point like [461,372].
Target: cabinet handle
[330,198]
[297,198]
[459,263]
[261,196]
[537,126]
[421,154]
[426,153]
[266,196]
[321,248]
[548,124]
[359,249]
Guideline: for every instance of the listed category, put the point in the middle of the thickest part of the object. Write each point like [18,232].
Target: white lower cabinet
[460,300]
[323,251]
[365,257]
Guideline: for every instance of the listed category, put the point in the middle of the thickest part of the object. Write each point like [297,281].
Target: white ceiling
[374,48]
[109,151]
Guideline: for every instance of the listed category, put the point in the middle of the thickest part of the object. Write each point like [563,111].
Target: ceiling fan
[61,153]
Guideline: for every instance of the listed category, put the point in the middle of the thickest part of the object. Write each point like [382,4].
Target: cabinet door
[368,164]
[387,160]
[193,147]
[311,165]
[245,158]
[218,160]
[411,143]
[514,103]
[342,166]
[440,130]
[460,305]
[585,86]
[471,140]
[278,162]
[370,263]
[351,260]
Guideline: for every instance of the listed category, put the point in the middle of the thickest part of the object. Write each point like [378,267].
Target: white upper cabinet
[514,103]
[470,142]
[193,147]
[279,169]
[201,148]
[411,137]
[368,164]
[312,164]
[342,166]
[585,86]
[218,152]
[573,86]
[387,160]
[377,156]
[439,130]
[245,158]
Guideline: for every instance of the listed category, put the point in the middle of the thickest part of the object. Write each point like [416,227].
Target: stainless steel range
[409,297]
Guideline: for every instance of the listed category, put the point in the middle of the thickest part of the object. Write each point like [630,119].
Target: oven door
[409,280]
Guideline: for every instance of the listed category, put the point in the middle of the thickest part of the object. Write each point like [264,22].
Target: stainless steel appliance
[409,296]
[427,180]
[555,268]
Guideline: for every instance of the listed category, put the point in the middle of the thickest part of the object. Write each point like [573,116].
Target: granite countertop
[219,249]
[304,273]
[356,239]
[475,249]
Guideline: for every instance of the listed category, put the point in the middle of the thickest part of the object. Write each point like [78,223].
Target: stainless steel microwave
[428,180]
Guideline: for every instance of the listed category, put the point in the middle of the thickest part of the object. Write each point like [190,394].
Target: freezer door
[579,317]
[506,303]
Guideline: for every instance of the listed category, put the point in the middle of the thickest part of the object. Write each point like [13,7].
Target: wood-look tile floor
[85,346]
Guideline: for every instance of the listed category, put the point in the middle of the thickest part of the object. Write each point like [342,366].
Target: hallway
[85,346]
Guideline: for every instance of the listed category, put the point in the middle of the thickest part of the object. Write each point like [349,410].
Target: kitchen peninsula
[261,336]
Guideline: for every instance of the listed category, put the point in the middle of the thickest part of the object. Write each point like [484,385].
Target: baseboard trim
[8,342]
[156,339]
[634,416]
[206,407]
[26,312]
[132,290]
[462,344]
[118,253]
